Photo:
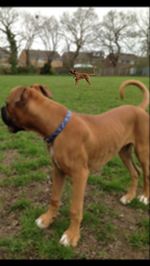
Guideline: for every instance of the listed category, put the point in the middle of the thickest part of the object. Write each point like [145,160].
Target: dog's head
[72,71]
[20,108]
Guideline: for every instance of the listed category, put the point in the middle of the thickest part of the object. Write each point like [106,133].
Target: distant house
[4,57]
[124,60]
[127,59]
[38,58]
[67,59]
[134,65]
[125,65]
[84,59]
[142,67]
[90,57]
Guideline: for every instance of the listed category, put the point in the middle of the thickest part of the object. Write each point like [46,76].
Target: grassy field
[109,229]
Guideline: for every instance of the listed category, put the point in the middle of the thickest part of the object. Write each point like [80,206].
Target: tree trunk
[72,61]
[27,58]
[13,50]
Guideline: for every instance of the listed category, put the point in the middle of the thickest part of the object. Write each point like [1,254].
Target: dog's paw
[143,199]
[64,240]
[44,220]
[125,200]
[40,223]
[69,239]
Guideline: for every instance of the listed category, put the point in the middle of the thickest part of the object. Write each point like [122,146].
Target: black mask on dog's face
[8,121]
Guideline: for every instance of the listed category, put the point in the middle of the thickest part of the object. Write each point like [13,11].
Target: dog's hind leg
[126,156]
[57,187]
[72,234]
[142,152]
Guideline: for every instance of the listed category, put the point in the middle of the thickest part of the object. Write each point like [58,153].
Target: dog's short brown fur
[87,143]
[79,75]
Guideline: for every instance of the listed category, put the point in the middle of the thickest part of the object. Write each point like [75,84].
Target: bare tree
[114,32]
[143,33]
[77,30]
[48,33]
[29,32]
[8,17]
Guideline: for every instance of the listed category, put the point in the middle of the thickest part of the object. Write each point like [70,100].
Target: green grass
[25,162]
[20,204]
[140,238]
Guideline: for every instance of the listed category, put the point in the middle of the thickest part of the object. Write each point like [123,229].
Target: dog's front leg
[88,81]
[57,187]
[72,234]
[76,81]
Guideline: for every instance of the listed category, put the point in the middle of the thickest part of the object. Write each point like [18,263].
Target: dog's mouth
[13,128]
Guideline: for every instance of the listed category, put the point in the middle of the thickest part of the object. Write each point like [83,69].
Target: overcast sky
[58,11]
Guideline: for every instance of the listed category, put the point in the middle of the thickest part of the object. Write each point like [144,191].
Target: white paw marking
[64,240]
[143,199]
[124,200]
[39,223]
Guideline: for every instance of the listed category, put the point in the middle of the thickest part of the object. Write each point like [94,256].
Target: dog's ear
[42,89]
[22,96]
[45,91]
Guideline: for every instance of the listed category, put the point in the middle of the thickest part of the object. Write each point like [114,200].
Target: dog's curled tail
[144,104]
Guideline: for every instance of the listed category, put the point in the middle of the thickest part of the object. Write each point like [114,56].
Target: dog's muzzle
[8,121]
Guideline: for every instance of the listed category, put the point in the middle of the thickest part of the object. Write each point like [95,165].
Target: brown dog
[82,143]
[79,75]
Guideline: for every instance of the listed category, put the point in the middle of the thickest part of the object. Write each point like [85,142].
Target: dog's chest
[51,152]
[53,157]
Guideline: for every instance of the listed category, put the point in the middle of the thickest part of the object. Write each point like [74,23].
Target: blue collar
[60,128]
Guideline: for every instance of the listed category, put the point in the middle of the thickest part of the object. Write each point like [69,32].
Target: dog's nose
[5,116]
[8,121]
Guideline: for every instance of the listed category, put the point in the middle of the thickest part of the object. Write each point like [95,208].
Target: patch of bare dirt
[8,222]
[10,156]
